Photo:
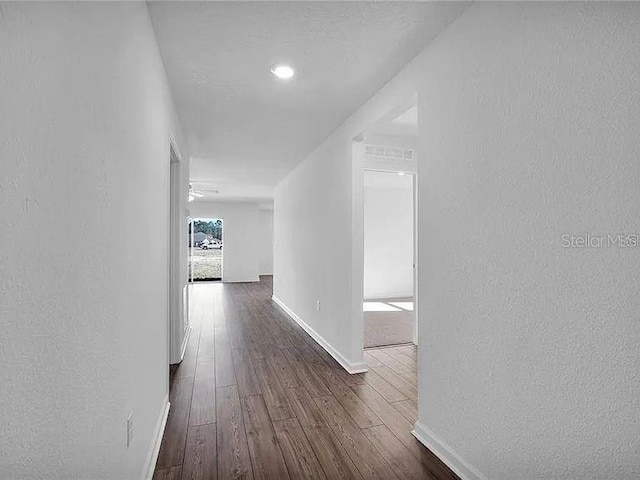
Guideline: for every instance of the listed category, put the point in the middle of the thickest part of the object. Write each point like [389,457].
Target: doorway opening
[205,249]
[178,292]
[388,258]
[385,229]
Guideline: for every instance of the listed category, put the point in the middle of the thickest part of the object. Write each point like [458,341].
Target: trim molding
[241,280]
[154,450]
[184,342]
[448,455]
[351,367]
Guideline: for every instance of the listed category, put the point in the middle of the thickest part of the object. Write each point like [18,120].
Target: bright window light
[282,71]
[403,305]
[378,307]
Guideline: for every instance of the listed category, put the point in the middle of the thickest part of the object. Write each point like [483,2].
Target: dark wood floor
[256,397]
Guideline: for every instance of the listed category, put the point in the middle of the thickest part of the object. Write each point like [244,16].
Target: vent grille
[390,153]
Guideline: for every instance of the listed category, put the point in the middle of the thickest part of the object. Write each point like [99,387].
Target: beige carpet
[388,322]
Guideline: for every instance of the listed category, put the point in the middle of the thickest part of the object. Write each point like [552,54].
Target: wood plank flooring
[257,398]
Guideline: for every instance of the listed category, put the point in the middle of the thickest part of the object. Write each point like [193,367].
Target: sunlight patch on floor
[378,307]
[403,305]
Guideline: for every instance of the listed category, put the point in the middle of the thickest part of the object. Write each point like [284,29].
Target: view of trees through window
[205,242]
[211,228]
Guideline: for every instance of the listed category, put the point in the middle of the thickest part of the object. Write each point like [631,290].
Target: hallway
[256,397]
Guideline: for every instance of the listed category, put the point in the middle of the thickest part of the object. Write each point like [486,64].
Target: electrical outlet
[317,305]
[129,429]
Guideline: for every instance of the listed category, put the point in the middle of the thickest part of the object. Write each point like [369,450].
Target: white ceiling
[246,129]
[409,118]
[403,124]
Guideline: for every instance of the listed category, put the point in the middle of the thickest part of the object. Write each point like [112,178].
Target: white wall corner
[156,441]
[349,366]
[444,452]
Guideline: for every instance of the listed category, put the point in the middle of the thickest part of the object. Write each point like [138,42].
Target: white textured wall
[312,231]
[318,236]
[530,366]
[84,132]
[388,235]
[240,230]
[529,357]
[265,240]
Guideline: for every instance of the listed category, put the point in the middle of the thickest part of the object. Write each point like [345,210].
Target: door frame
[414,187]
[177,295]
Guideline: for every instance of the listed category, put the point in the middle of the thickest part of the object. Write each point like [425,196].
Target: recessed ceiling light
[283,71]
[401,174]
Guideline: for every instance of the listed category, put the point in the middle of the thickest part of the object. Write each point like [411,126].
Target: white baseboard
[351,367]
[241,280]
[445,453]
[154,449]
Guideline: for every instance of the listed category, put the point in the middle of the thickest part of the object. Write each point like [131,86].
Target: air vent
[390,153]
